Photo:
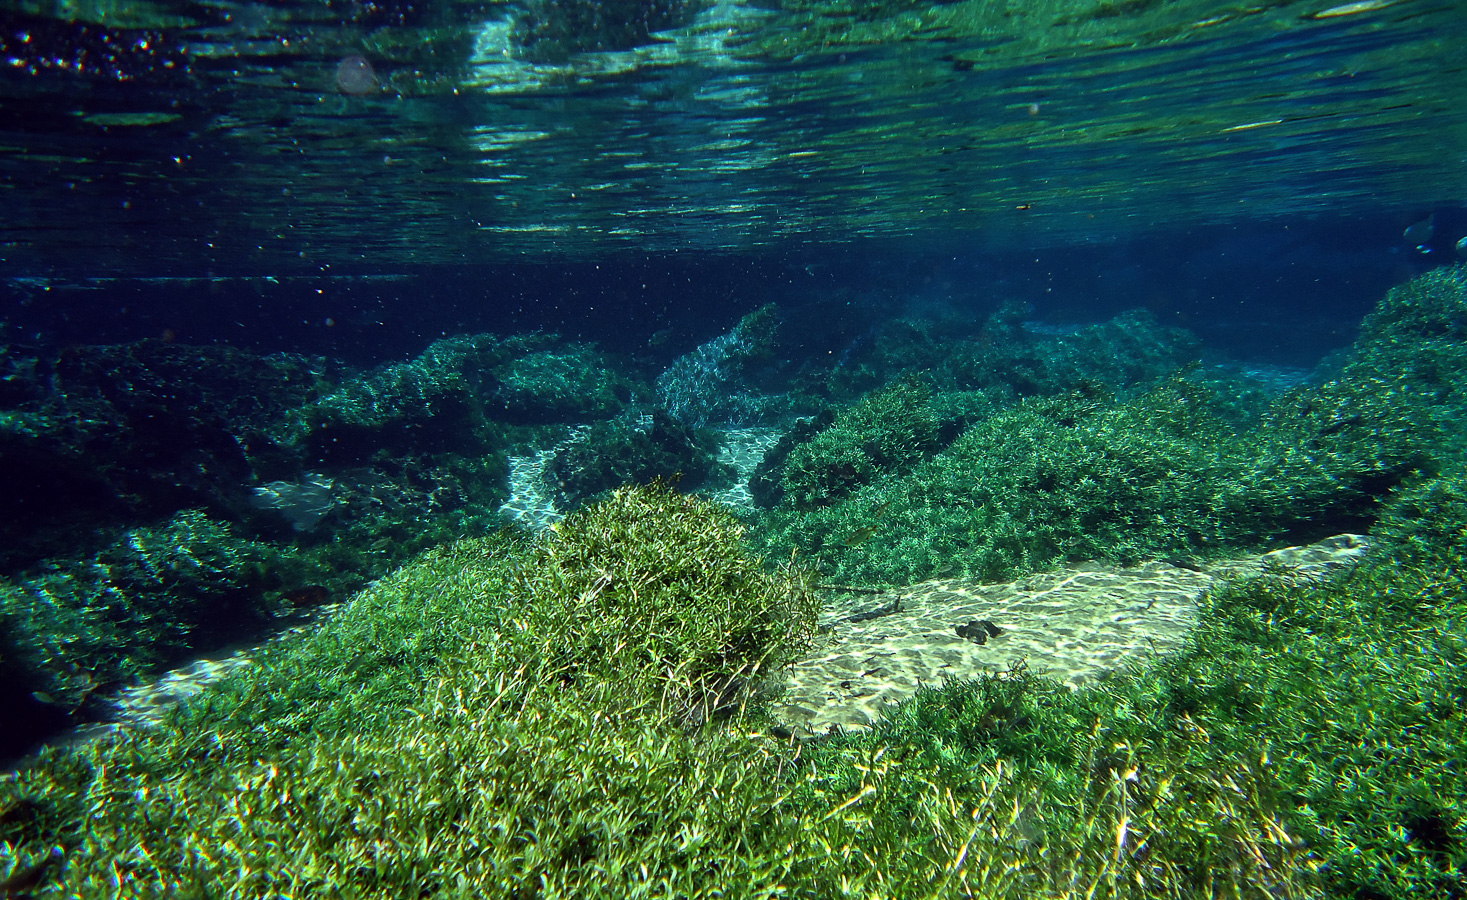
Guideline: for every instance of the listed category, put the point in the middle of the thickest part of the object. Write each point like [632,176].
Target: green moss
[455,395]
[551,677]
[1427,519]
[1005,358]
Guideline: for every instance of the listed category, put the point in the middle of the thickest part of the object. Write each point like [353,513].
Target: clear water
[144,137]
[293,290]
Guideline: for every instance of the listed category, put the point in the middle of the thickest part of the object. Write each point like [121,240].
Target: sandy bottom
[1073,625]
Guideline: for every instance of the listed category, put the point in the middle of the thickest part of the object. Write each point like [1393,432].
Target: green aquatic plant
[614,454]
[75,626]
[1171,472]
[1354,689]
[651,592]
[889,431]
[508,717]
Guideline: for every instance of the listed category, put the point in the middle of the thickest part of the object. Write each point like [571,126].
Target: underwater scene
[733,448]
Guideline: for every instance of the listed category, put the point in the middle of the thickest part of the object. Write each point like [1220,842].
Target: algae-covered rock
[729,380]
[1432,306]
[428,404]
[888,432]
[1075,478]
[572,384]
[128,431]
[1413,345]
[612,455]
[75,626]
[766,485]
[454,394]
[1008,357]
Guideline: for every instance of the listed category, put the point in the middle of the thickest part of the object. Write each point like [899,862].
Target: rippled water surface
[136,135]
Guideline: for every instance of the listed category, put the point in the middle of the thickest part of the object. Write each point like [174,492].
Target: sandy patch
[1073,625]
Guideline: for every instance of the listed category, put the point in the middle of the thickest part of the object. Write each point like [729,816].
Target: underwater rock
[76,625]
[978,631]
[572,384]
[426,405]
[723,381]
[612,455]
[451,397]
[143,429]
[1019,358]
[889,431]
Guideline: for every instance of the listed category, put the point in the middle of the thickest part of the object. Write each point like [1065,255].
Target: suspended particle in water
[354,76]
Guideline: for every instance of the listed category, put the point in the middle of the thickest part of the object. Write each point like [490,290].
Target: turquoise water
[233,135]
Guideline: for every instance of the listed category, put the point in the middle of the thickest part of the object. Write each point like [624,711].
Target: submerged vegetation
[583,712]
[508,716]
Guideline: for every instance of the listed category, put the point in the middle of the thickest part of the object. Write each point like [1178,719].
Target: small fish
[1419,233]
[859,536]
[1462,248]
[1350,9]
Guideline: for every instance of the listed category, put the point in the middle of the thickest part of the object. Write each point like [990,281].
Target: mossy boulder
[614,454]
[455,395]
[128,432]
[737,378]
[1413,345]
[766,484]
[569,384]
[76,627]
[1079,477]
[1129,351]
[889,432]
[429,404]
[1008,357]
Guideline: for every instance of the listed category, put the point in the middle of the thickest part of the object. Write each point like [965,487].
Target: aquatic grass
[1356,685]
[1081,477]
[1107,801]
[76,625]
[650,590]
[888,431]
[542,744]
